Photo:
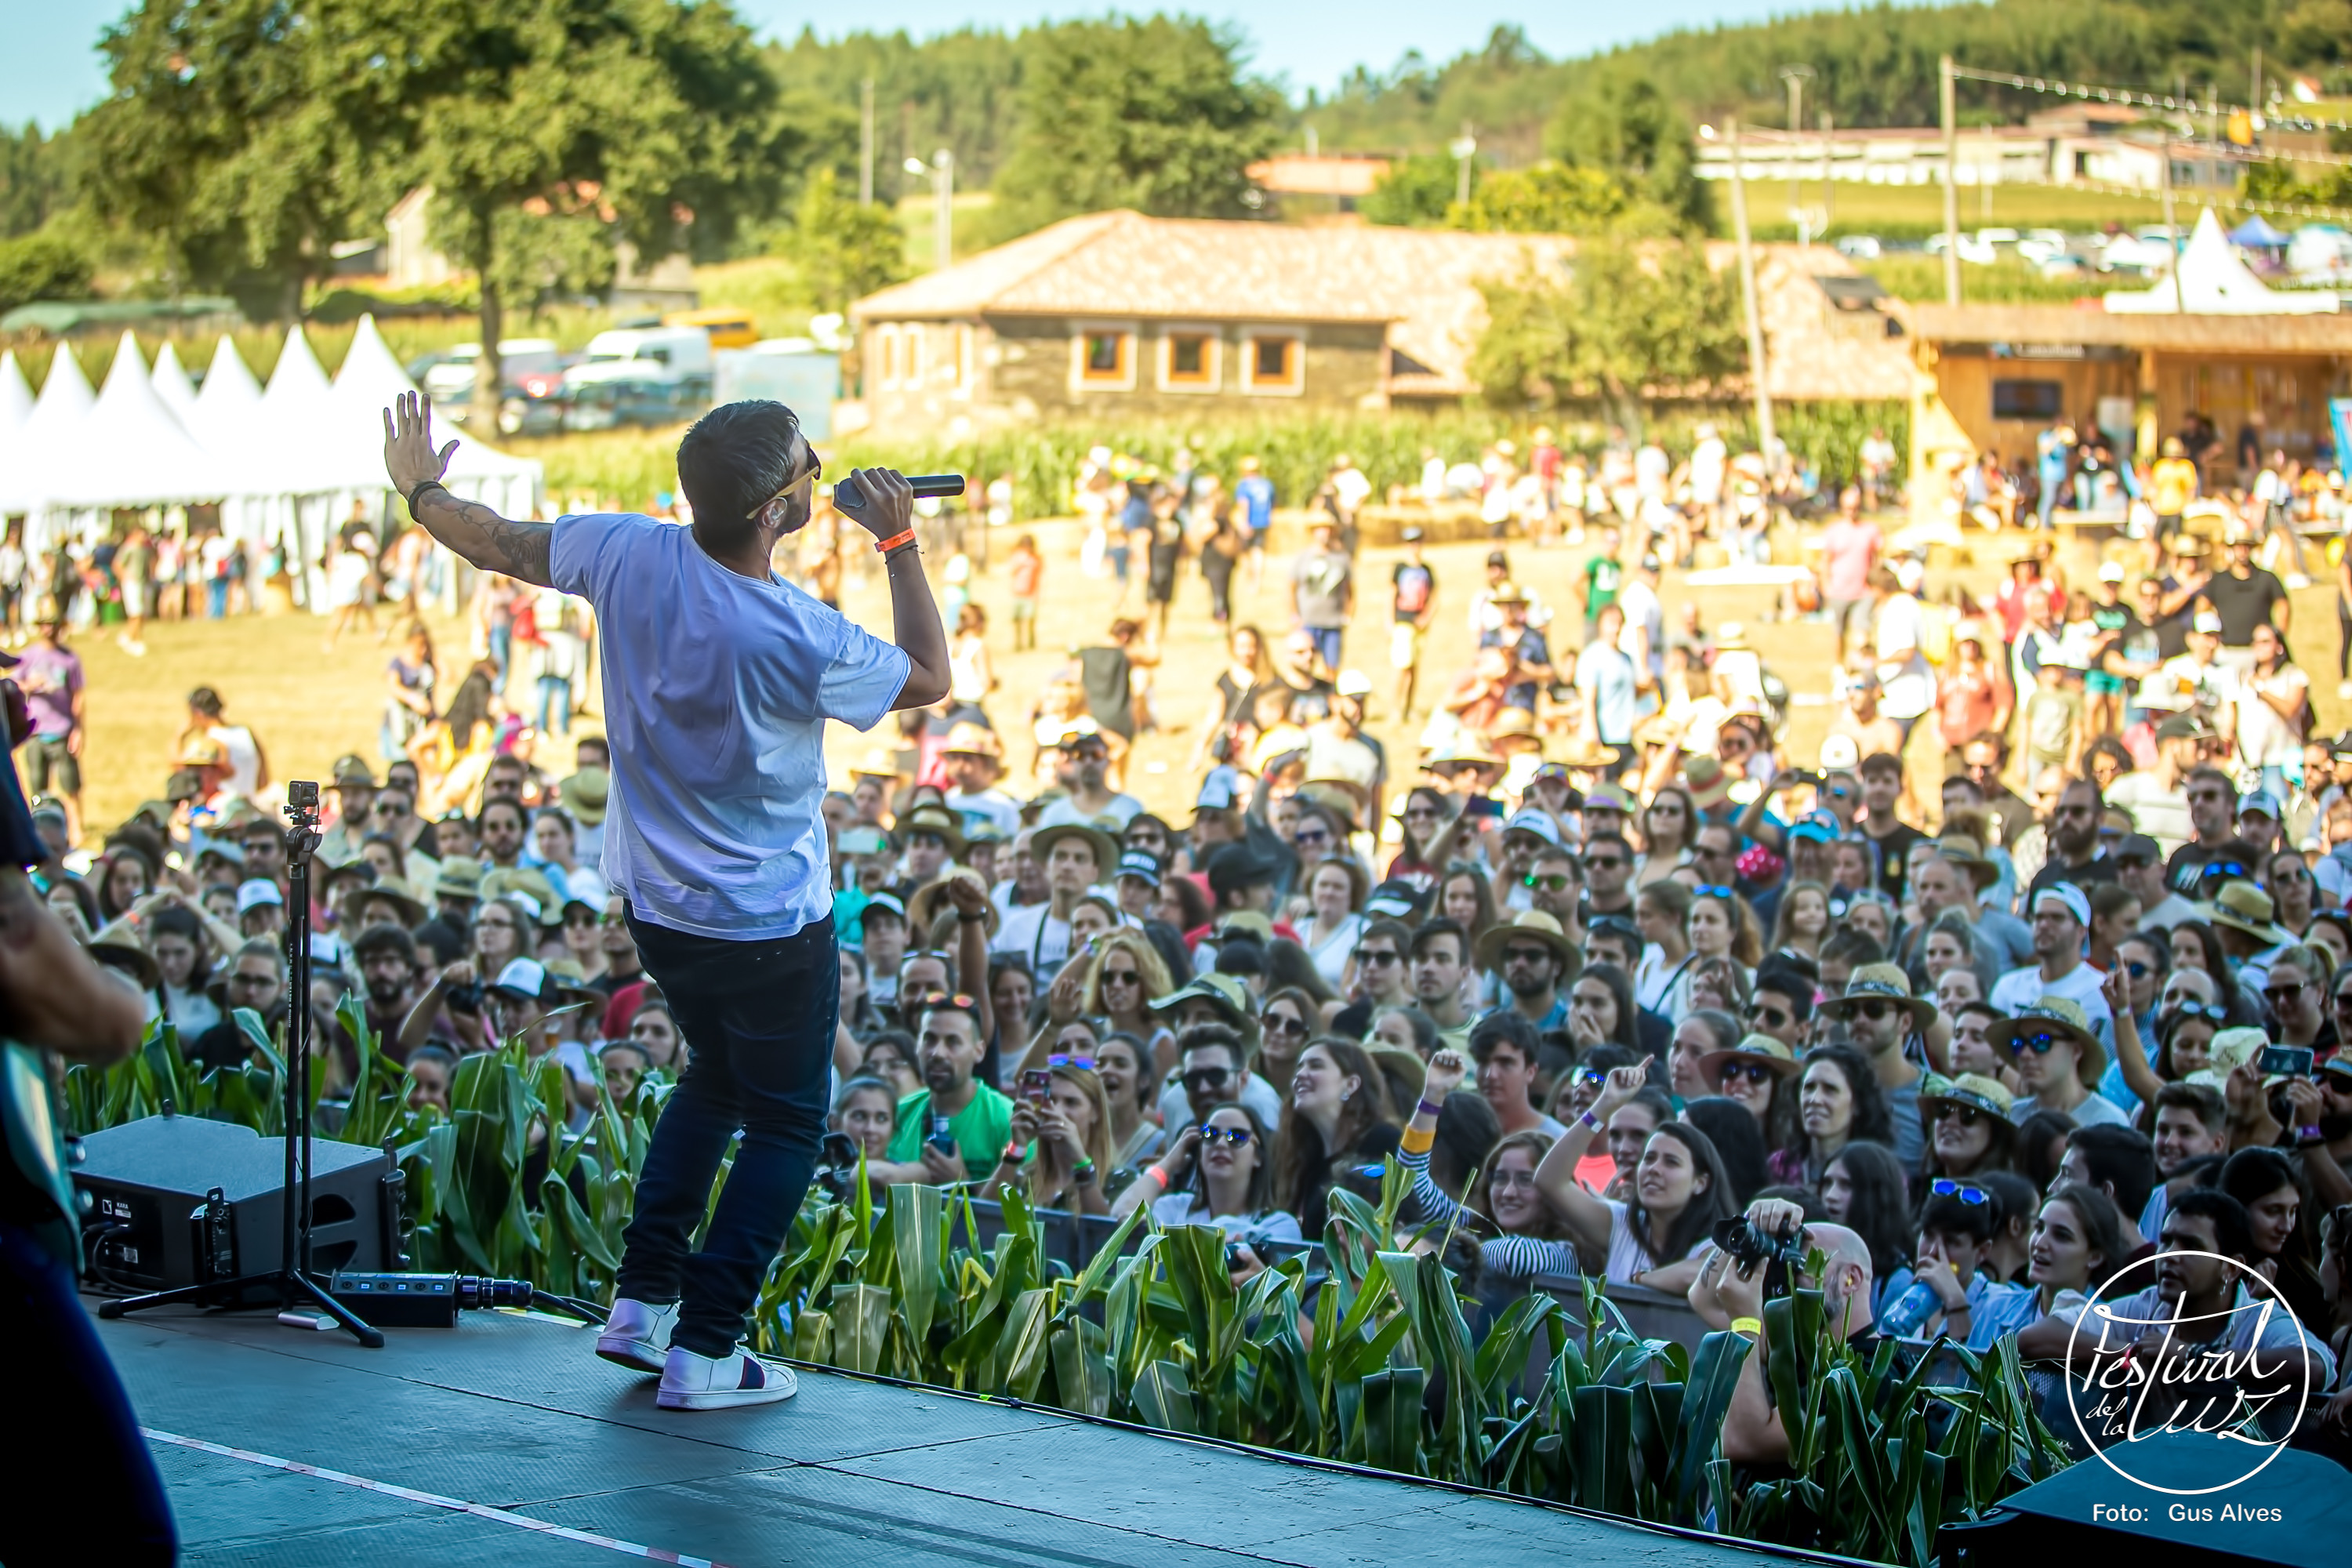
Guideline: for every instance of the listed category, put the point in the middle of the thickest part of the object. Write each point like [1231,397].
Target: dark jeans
[758,1019]
[85,1485]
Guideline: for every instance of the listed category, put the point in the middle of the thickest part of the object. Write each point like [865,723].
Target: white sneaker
[638,1335]
[691,1381]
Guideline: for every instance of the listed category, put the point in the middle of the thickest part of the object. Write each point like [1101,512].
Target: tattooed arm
[481,536]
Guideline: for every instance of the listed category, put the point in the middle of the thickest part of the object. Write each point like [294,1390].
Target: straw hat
[937,820]
[2055,1016]
[2245,908]
[118,949]
[1042,842]
[1963,850]
[1881,983]
[1528,925]
[530,883]
[1774,1054]
[1708,786]
[1970,1088]
[585,795]
[977,740]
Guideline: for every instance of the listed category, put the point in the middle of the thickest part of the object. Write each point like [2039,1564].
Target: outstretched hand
[408,454]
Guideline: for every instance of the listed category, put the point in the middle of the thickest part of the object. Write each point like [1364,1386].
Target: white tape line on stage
[455,1505]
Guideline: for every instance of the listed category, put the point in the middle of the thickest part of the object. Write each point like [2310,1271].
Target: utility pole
[1464,148]
[2171,231]
[2254,99]
[865,143]
[1945,96]
[1829,170]
[942,169]
[1794,76]
[1759,378]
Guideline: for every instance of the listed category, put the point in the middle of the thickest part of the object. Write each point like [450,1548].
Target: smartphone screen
[1038,1085]
[2293,1060]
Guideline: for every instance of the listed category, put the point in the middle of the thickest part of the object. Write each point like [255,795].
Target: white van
[451,383]
[644,354]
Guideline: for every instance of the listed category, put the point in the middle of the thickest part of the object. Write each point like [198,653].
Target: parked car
[450,383]
[645,354]
[1860,248]
[611,404]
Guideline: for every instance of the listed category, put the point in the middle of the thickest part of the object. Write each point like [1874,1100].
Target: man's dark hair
[1856,949]
[1211,1037]
[1881,762]
[385,938]
[522,818]
[1441,927]
[945,960]
[2200,1100]
[1964,782]
[1238,956]
[1789,983]
[1595,841]
[2109,897]
[735,459]
[1954,1216]
[2117,1157]
[1504,1026]
[1386,929]
[2234,1235]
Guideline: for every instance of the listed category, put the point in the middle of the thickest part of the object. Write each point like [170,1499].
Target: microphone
[849,498]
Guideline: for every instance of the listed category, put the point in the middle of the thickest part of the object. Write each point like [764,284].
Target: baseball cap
[886,903]
[2179,727]
[2261,801]
[2068,897]
[1538,823]
[524,976]
[1410,534]
[1607,797]
[253,894]
[1816,827]
[1139,863]
[1217,790]
[1840,754]
[1392,899]
[2207,621]
[2138,846]
[2113,572]
[1353,683]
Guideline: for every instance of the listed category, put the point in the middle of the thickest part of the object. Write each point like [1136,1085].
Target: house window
[889,340]
[2035,400]
[1102,356]
[1274,363]
[1187,362]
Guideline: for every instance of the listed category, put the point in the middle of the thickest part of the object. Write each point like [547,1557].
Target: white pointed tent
[65,400]
[2212,279]
[222,420]
[15,395]
[128,451]
[170,379]
[347,441]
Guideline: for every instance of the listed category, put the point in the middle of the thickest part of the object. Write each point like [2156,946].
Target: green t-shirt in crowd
[981,1129]
[1603,575]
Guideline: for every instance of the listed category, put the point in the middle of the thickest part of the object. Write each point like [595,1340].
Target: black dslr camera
[837,1171]
[1748,1247]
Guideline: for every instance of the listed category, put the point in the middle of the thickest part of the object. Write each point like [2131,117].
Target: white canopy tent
[287,463]
[2212,279]
[129,450]
[65,400]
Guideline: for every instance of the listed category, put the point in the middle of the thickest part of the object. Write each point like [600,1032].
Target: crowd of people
[1604,967]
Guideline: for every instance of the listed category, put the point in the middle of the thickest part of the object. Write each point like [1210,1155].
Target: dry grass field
[308,705]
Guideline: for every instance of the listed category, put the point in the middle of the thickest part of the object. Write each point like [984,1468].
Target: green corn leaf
[1022,1350]
[1163,1398]
[1604,1448]
[1081,1367]
[1715,1376]
[813,1337]
[861,1325]
[917,1236]
[1389,1420]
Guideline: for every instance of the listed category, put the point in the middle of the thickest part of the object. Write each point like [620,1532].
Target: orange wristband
[883,546]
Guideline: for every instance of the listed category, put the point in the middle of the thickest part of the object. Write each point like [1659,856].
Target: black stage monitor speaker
[179,1200]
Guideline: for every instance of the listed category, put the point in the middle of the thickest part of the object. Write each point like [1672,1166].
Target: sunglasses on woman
[1236,1136]
[1753,1072]
[1060,1060]
[1967,1192]
[2212,1012]
[1966,1115]
[1283,1023]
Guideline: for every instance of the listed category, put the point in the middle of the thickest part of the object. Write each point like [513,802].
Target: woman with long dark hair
[1967,1126]
[1737,1138]
[1669,823]
[1840,1103]
[1657,1235]
[1231,1181]
[2196,945]
[1337,1111]
[2272,1192]
[1601,1009]
[1467,899]
[1430,826]
[1863,1189]
[1759,1074]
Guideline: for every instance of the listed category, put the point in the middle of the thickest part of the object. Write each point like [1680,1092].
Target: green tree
[843,250]
[1153,114]
[654,117]
[45,266]
[32,179]
[1416,191]
[1551,198]
[1629,131]
[1629,321]
[233,142]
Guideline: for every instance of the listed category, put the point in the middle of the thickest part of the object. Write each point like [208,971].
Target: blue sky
[54,71]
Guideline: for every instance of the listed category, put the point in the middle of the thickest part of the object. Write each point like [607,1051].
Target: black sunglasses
[1755,1072]
[1967,1115]
[1237,1136]
[1207,1077]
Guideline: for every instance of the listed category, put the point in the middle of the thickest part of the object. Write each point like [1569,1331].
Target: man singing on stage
[718,680]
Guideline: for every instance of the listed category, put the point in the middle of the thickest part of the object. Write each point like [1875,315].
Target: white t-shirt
[1626,1256]
[2265,740]
[2080,986]
[1031,931]
[1063,812]
[716,690]
[1183,1208]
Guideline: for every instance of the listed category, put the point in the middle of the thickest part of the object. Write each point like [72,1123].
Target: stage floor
[505,1442]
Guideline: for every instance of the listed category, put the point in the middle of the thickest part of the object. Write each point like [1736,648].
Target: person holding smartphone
[1059,1146]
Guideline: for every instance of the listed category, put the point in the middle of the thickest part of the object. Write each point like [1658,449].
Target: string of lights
[2134,97]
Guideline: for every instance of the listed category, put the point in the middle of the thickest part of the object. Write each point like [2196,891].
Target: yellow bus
[729,328]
